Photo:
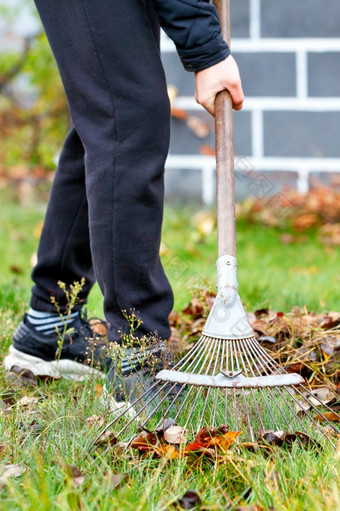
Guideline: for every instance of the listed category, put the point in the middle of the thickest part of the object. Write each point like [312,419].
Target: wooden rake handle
[225,176]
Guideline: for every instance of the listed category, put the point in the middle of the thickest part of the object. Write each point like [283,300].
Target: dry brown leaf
[190,500]
[331,416]
[76,475]
[98,390]
[25,375]
[94,419]
[117,480]
[324,394]
[107,438]
[167,451]
[144,441]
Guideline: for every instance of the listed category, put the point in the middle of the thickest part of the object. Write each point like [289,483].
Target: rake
[227,377]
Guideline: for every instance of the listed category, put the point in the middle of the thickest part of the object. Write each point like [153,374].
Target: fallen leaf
[94,419]
[224,442]
[207,439]
[8,398]
[16,269]
[98,390]
[28,401]
[329,345]
[98,326]
[190,500]
[271,438]
[261,312]
[144,441]
[279,438]
[25,375]
[9,471]
[167,451]
[331,416]
[107,438]
[76,475]
[118,480]
[260,326]
[174,435]
[323,395]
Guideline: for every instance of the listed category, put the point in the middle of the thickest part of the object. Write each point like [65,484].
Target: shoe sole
[63,368]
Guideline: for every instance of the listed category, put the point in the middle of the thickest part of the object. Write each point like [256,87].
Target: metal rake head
[227,378]
[227,382]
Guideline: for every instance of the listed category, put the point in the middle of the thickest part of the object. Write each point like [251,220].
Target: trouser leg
[109,62]
[64,249]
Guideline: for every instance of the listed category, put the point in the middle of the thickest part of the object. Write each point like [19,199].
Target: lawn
[45,427]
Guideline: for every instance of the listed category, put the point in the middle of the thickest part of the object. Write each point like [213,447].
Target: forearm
[194,27]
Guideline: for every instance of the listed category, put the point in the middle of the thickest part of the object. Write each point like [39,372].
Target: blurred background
[287,155]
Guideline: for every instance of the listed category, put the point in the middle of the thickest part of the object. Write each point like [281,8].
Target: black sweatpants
[104,216]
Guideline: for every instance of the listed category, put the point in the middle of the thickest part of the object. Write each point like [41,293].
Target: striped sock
[137,358]
[47,322]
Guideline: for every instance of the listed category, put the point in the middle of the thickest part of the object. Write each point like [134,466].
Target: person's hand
[221,76]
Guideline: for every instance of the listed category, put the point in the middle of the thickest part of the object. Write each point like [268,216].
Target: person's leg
[64,248]
[109,62]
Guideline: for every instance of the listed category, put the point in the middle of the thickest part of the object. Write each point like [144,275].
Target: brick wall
[289,130]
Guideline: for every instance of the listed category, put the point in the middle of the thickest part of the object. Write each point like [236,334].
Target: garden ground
[46,428]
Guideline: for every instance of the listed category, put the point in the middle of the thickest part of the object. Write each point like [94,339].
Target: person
[104,216]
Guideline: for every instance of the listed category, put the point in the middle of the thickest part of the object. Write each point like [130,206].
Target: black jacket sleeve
[194,27]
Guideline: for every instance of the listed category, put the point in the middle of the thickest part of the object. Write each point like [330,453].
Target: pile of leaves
[319,208]
[169,441]
[301,341]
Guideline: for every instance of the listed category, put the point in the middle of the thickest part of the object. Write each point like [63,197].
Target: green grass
[52,432]
[270,273]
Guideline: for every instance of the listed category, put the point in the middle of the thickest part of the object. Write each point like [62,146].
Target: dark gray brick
[176,74]
[311,134]
[267,74]
[183,184]
[239,18]
[324,74]
[184,141]
[300,18]
[260,184]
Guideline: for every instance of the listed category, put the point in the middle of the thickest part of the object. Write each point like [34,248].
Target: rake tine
[161,402]
[215,407]
[318,427]
[251,390]
[309,402]
[193,406]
